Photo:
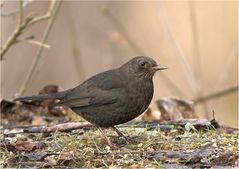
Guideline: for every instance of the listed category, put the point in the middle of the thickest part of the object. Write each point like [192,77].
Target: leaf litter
[175,142]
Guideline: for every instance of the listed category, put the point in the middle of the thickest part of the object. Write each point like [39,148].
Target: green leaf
[188,127]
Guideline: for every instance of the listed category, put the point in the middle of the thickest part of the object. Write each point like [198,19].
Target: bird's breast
[141,95]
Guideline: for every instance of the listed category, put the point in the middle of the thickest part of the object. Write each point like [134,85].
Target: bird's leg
[105,137]
[120,133]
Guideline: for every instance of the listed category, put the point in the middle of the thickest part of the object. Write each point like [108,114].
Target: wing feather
[101,89]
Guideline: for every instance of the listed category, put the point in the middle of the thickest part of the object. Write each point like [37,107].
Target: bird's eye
[143,64]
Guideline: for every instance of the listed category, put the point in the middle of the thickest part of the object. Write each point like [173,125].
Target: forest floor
[28,141]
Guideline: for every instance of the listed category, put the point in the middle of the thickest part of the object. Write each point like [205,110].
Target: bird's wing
[99,90]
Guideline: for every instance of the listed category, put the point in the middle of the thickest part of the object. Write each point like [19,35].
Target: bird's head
[142,66]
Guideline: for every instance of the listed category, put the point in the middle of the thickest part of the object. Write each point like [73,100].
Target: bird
[112,97]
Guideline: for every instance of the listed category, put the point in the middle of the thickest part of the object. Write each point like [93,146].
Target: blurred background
[197,40]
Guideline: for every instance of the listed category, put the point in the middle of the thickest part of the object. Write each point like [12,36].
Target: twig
[46,16]
[64,127]
[135,47]
[215,124]
[20,13]
[194,122]
[40,50]
[34,42]
[69,126]
[226,68]
[13,37]
[23,4]
[9,13]
[30,20]
[213,114]
[217,94]
[179,53]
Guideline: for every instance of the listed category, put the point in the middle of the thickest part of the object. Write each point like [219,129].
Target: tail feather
[41,97]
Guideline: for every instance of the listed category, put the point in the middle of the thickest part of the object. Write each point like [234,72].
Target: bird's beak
[160,67]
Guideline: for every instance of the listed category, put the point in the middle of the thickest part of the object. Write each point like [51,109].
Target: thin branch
[9,13]
[64,127]
[40,18]
[179,52]
[23,4]
[69,126]
[34,42]
[30,20]
[46,16]
[39,52]
[136,48]
[20,13]
[13,37]
[217,94]
[226,68]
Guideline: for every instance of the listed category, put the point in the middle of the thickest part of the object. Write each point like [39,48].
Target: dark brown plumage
[111,97]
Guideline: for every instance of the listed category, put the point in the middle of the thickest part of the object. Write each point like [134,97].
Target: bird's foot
[111,145]
[127,139]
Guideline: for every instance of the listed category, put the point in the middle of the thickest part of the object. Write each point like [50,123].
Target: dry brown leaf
[25,145]
[174,108]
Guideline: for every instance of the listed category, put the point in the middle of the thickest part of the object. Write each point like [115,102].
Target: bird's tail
[59,95]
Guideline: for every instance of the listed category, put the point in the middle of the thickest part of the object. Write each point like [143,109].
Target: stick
[64,127]
[40,50]
[69,126]
[13,37]
[217,94]
[22,25]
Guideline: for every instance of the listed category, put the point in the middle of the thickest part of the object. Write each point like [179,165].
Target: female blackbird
[112,97]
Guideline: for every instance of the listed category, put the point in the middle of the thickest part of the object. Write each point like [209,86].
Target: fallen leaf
[174,108]
[25,145]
